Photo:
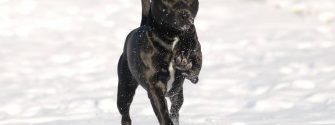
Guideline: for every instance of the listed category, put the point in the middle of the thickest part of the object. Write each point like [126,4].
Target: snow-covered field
[266,62]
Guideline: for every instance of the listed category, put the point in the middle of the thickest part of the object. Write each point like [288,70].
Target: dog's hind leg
[126,90]
[176,103]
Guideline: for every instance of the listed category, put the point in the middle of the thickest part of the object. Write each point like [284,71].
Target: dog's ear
[145,11]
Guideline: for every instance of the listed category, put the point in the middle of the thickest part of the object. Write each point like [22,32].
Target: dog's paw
[193,78]
[182,63]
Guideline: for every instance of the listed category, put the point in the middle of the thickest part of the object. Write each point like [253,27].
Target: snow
[266,62]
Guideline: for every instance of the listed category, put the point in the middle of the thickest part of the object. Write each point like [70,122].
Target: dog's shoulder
[140,39]
[140,33]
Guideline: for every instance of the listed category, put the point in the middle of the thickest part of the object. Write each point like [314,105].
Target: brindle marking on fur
[159,56]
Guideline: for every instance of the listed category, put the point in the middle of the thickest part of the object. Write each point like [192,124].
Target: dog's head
[175,14]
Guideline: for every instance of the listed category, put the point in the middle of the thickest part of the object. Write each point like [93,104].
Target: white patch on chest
[176,40]
[171,80]
[171,70]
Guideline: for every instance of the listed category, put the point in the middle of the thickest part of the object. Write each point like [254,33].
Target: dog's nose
[185,15]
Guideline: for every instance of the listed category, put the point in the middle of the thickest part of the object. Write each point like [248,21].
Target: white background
[266,62]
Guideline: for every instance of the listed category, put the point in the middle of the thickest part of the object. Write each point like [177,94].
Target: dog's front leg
[176,103]
[156,94]
[193,60]
[190,65]
[196,59]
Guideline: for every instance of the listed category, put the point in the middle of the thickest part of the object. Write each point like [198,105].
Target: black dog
[159,56]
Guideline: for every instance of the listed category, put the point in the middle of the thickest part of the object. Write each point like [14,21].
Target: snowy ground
[266,62]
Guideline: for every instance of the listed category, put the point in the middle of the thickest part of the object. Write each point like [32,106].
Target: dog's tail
[145,11]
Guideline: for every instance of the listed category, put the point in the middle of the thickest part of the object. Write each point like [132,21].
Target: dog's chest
[171,68]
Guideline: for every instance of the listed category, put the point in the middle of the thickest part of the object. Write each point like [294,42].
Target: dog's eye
[189,2]
[169,2]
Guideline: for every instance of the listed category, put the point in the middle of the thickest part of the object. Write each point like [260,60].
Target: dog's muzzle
[186,16]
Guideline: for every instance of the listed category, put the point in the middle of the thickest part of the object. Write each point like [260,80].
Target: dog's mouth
[179,24]
[191,21]
[183,24]
[187,24]
[185,27]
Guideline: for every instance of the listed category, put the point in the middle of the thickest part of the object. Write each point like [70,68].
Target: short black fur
[159,56]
